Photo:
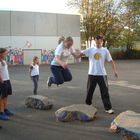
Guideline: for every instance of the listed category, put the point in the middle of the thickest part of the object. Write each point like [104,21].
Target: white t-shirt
[97,58]
[63,52]
[34,70]
[4,71]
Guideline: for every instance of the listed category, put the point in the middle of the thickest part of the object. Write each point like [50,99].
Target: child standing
[5,86]
[97,73]
[34,73]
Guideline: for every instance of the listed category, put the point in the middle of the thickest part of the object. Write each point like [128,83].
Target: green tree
[132,21]
[118,21]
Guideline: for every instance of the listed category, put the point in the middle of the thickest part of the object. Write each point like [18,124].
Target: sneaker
[110,111]
[3,116]
[49,82]
[8,112]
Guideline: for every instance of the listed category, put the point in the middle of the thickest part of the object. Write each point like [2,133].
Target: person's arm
[1,80]
[78,55]
[114,68]
[82,53]
[30,70]
[109,59]
[60,62]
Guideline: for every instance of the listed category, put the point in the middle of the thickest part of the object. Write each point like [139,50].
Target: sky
[51,6]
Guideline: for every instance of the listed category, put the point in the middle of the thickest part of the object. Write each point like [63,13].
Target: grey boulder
[128,124]
[80,112]
[38,102]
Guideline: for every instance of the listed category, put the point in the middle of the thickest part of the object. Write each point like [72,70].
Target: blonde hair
[61,39]
[69,38]
[34,59]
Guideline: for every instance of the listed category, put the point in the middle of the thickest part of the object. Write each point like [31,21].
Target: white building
[26,34]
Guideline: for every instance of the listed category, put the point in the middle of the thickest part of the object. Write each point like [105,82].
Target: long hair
[69,38]
[2,50]
[34,59]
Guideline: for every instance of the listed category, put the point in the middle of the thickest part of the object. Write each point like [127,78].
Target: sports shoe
[3,116]
[8,112]
[49,82]
[110,111]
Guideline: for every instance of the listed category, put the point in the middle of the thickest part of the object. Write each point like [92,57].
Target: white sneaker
[110,111]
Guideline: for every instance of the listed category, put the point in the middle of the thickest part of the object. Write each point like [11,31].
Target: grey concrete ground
[30,124]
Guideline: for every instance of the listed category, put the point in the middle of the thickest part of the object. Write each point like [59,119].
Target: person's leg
[6,110]
[66,75]
[1,105]
[5,102]
[3,116]
[103,84]
[35,82]
[91,85]
[8,91]
[57,75]
[37,79]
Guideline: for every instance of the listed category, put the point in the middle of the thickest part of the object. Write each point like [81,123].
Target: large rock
[128,123]
[38,102]
[76,112]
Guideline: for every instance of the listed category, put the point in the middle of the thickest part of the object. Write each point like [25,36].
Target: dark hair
[69,38]
[2,50]
[99,37]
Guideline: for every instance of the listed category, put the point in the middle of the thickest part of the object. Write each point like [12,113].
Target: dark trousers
[103,85]
[60,75]
[35,80]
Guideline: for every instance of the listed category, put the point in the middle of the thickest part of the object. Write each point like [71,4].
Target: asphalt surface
[30,124]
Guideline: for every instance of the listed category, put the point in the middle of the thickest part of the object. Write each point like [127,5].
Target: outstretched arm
[78,55]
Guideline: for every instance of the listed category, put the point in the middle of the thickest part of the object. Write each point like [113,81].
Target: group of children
[61,73]
[97,55]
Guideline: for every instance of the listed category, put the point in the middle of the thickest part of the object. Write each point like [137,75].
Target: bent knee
[68,79]
[60,82]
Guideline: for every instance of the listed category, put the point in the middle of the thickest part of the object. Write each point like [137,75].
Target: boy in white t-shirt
[97,73]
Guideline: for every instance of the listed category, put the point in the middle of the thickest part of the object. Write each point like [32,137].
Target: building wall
[30,30]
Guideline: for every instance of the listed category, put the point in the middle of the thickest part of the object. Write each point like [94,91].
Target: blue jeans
[35,80]
[60,75]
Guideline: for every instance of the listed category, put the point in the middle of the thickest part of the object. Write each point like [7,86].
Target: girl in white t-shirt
[5,86]
[34,73]
[59,65]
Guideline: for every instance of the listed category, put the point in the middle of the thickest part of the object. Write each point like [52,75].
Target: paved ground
[30,124]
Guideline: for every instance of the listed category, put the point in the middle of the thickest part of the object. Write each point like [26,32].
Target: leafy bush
[131,54]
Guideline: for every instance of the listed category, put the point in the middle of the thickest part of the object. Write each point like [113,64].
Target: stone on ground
[38,102]
[80,112]
[128,123]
